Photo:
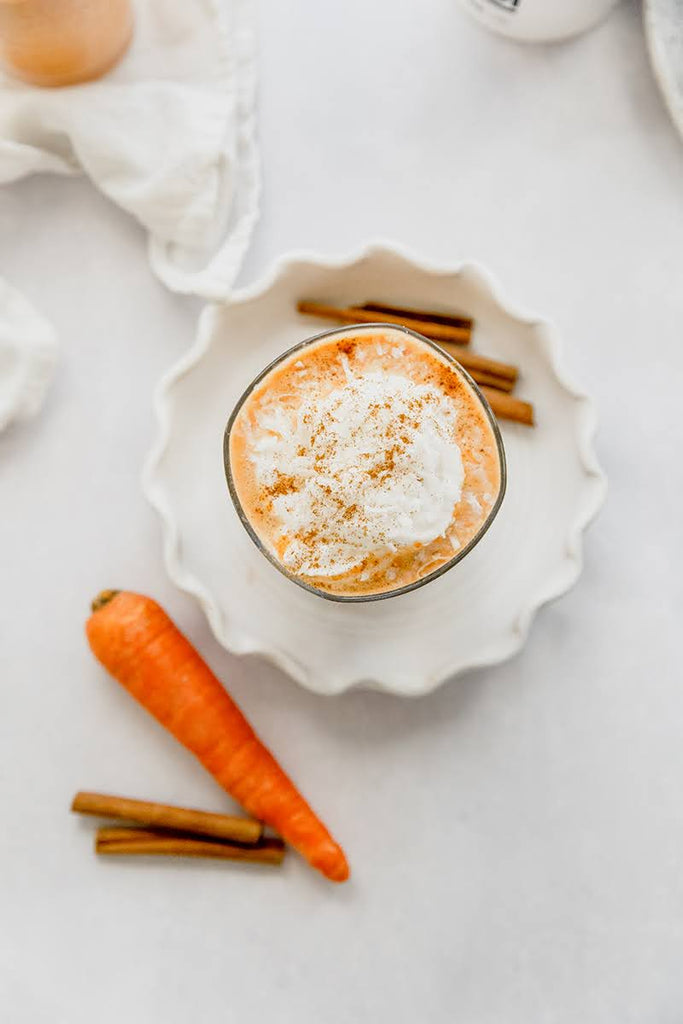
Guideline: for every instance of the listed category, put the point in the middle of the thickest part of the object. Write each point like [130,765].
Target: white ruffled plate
[476,614]
[664,34]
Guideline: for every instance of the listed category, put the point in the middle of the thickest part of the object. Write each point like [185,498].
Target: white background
[516,838]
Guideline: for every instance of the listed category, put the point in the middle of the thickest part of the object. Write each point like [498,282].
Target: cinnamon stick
[481,376]
[474,363]
[153,842]
[359,315]
[488,380]
[203,823]
[506,407]
[425,315]
[470,360]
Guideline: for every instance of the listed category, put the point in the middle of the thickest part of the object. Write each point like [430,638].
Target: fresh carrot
[137,642]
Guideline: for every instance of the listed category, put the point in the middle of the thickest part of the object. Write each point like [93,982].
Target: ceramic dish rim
[563,577]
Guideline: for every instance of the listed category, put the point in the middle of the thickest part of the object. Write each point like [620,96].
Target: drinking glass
[61,42]
[341,332]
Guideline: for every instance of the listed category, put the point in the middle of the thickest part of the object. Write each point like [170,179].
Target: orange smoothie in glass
[61,42]
[364,462]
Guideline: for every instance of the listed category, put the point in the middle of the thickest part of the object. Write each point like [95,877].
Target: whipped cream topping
[369,469]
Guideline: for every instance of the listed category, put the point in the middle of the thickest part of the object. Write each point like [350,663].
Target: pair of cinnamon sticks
[453,333]
[164,830]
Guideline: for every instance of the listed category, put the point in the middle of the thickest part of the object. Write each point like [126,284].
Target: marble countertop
[517,837]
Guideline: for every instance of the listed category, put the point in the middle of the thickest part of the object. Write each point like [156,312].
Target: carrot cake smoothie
[364,461]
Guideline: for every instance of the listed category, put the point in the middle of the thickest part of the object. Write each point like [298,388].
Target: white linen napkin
[28,347]
[168,135]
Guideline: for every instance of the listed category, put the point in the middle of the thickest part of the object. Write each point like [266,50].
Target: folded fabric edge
[33,341]
[168,260]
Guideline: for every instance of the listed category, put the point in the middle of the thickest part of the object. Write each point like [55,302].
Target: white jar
[539,21]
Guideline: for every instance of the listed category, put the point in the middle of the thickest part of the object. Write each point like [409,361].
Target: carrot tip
[104,597]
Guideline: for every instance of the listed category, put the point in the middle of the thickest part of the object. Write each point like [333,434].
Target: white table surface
[516,838]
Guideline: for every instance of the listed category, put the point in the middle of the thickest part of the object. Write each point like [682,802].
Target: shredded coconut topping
[371,468]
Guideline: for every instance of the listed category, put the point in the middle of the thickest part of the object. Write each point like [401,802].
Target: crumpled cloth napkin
[168,135]
[28,349]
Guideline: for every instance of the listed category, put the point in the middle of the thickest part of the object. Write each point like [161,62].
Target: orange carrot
[137,642]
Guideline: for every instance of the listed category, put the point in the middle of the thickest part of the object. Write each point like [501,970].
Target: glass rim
[440,570]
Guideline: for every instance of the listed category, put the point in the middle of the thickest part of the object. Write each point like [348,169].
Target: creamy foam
[364,461]
[376,466]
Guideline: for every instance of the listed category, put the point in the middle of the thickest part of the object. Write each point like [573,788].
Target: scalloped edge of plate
[563,576]
[659,62]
